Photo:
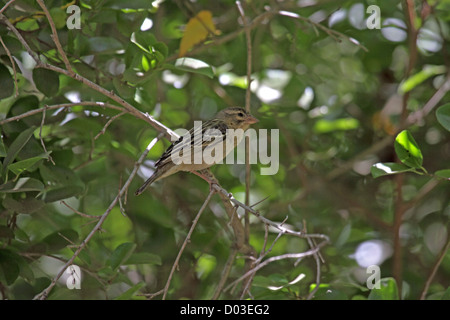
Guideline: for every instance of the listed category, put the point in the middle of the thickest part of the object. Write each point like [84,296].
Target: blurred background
[338,79]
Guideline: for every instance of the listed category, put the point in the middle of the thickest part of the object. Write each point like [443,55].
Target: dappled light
[337,119]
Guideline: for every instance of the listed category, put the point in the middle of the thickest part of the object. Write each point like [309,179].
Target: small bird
[186,150]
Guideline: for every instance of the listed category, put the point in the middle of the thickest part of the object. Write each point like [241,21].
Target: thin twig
[62,106]
[56,38]
[19,37]
[188,238]
[225,274]
[255,264]
[332,33]
[219,41]
[397,265]
[420,114]
[44,294]
[132,110]
[278,226]
[249,264]
[151,295]
[84,215]
[6,6]
[277,258]
[12,64]
[434,270]
[318,258]
[108,124]
[40,136]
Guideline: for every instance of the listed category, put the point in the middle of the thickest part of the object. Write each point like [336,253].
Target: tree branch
[55,37]
[8,53]
[188,239]
[130,109]
[60,106]
[247,140]
[44,294]
[434,270]
[6,6]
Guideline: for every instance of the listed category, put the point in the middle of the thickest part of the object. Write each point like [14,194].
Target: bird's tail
[146,184]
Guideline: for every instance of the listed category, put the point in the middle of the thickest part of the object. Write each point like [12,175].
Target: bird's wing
[210,129]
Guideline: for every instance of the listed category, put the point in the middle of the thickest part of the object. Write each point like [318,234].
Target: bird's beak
[251,119]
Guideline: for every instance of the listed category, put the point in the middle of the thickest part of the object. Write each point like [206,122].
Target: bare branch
[277,258]
[188,238]
[56,38]
[6,6]
[108,124]
[218,41]
[20,38]
[247,141]
[44,294]
[132,110]
[336,35]
[40,136]
[12,64]
[434,270]
[84,215]
[419,115]
[278,226]
[225,274]
[59,106]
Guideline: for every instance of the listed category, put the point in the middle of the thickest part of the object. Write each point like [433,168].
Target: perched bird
[200,148]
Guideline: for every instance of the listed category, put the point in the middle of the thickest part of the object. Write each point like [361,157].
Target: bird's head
[236,118]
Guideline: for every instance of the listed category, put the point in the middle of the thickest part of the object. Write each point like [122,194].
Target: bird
[198,149]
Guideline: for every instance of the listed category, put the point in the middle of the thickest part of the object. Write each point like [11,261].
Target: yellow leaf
[196,31]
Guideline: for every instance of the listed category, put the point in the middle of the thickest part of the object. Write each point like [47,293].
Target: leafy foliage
[363,147]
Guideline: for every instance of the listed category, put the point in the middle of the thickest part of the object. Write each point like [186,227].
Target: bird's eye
[241,114]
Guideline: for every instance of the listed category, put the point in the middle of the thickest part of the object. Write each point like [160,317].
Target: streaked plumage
[212,132]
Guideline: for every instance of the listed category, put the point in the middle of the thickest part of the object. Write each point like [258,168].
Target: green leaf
[143,258]
[446,295]
[135,4]
[62,193]
[23,165]
[407,150]
[124,90]
[162,48]
[2,149]
[6,82]
[145,64]
[60,239]
[121,254]
[387,168]
[144,41]
[46,81]
[388,290]
[28,25]
[20,106]
[416,79]
[324,126]
[6,232]
[25,206]
[11,43]
[104,44]
[9,268]
[59,17]
[445,173]
[443,116]
[127,295]
[17,145]
[22,185]
[193,66]
[12,265]
[59,175]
